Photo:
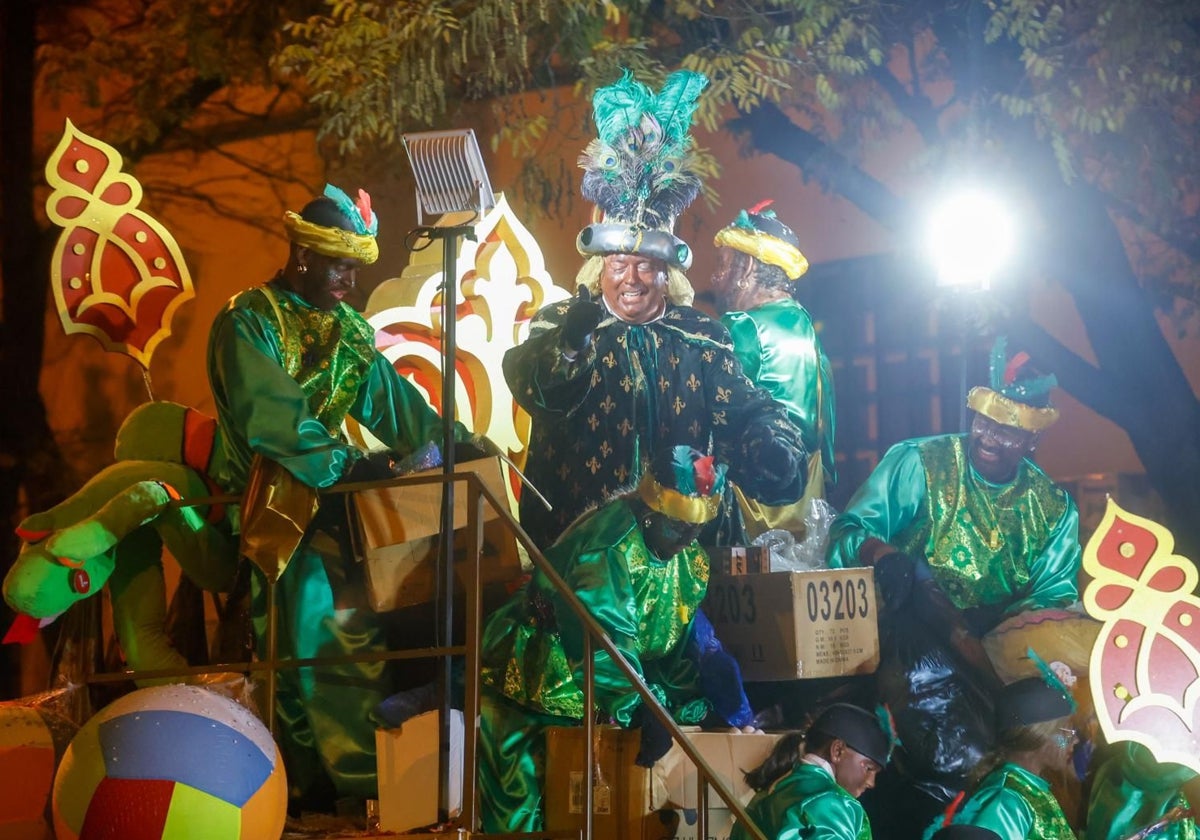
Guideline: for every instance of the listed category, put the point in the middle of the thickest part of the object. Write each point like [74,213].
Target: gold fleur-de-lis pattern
[598,418]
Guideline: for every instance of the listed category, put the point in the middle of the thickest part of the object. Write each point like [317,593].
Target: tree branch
[769,130]
[918,109]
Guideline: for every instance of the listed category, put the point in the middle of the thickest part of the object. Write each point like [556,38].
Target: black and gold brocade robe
[599,418]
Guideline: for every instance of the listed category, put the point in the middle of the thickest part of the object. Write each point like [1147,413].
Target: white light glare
[970,236]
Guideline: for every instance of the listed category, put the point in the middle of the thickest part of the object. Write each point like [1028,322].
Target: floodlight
[449,171]
[970,237]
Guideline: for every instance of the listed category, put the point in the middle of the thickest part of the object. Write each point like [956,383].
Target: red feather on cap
[1014,364]
[706,475]
[761,206]
[24,630]
[364,206]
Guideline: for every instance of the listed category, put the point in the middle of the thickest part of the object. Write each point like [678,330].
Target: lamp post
[969,238]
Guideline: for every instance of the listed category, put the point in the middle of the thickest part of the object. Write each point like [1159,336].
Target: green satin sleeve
[601,581]
[888,506]
[1131,790]
[806,806]
[678,676]
[779,350]
[1054,577]
[1002,810]
[746,345]
[255,396]
[395,411]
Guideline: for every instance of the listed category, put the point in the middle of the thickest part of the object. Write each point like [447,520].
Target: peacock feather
[1050,678]
[640,168]
[883,714]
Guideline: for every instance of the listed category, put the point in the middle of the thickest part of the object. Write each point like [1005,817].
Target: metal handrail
[596,633]
[478,492]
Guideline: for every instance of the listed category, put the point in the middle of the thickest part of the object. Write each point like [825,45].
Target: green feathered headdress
[639,170]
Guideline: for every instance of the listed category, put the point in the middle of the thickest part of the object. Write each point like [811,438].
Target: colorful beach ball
[32,739]
[171,762]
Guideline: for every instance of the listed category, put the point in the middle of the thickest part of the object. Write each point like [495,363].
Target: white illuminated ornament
[970,237]
[502,282]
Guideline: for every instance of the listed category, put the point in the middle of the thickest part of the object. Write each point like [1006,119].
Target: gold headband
[331,241]
[762,246]
[692,509]
[1008,412]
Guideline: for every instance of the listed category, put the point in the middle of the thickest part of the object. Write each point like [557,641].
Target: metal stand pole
[272,653]
[445,580]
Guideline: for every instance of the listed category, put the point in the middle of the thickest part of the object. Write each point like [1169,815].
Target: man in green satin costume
[288,361]
[1131,791]
[985,527]
[1012,798]
[808,788]
[635,565]
[777,344]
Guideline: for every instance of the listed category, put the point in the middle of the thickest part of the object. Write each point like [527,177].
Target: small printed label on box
[601,796]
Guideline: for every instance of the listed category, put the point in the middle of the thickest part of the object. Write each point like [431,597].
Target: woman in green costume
[288,361]
[1132,791]
[808,788]
[1012,798]
[636,567]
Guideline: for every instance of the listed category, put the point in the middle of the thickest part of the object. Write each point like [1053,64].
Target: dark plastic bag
[943,711]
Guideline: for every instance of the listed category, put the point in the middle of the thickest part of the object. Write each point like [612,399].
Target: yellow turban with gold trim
[698,482]
[339,243]
[1022,402]
[758,233]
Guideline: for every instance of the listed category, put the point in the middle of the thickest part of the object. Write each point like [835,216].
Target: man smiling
[629,367]
[998,536]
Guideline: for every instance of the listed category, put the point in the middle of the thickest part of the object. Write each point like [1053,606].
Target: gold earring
[301,268]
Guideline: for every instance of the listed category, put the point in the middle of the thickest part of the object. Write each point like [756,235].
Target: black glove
[897,573]
[656,740]
[581,321]
[775,468]
[376,466]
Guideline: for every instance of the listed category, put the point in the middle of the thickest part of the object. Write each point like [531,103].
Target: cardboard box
[635,803]
[729,754]
[622,790]
[738,559]
[797,625]
[407,765]
[396,534]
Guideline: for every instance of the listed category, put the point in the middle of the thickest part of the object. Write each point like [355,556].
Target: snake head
[43,585]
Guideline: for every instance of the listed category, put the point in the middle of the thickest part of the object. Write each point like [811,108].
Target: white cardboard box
[407,761]
[729,754]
